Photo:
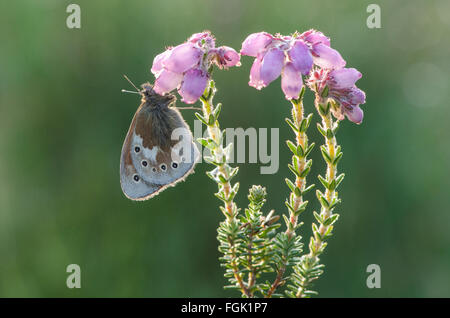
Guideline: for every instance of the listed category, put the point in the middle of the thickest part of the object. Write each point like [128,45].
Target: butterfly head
[151,97]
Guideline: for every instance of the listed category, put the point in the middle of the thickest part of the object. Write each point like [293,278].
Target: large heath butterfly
[158,150]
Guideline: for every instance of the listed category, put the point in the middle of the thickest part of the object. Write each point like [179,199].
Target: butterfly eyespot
[136,178]
[137,149]
[144,163]
[154,169]
[183,159]
[174,165]
[163,167]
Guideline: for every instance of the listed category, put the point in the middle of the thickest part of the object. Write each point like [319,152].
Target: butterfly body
[158,150]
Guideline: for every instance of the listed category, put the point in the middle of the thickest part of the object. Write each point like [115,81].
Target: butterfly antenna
[129,81]
[127,91]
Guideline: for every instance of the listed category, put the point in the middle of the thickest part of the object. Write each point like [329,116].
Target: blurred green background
[63,120]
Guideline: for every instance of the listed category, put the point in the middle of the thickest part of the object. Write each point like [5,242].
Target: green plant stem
[226,190]
[310,263]
[252,274]
[277,282]
[300,164]
[218,152]
[300,181]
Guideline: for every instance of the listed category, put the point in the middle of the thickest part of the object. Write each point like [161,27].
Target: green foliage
[288,250]
[305,272]
[245,241]
[309,268]
[249,242]
[247,245]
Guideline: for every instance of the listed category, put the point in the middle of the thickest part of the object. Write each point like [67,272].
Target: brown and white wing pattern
[133,186]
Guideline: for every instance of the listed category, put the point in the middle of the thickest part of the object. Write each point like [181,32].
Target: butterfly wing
[133,186]
[157,153]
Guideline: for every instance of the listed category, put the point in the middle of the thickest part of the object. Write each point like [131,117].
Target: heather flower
[187,66]
[255,43]
[288,56]
[339,85]
[323,55]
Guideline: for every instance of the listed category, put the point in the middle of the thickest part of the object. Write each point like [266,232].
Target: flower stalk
[309,268]
[300,166]
[222,175]
[296,204]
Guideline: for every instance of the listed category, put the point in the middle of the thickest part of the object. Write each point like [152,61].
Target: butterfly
[158,150]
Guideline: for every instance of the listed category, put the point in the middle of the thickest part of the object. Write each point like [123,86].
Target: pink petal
[182,58]
[326,57]
[291,81]
[198,36]
[356,96]
[229,57]
[157,61]
[314,37]
[354,114]
[167,81]
[344,78]
[256,43]
[255,79]
[193,86]
[206,36]
[301,57]
[271,65]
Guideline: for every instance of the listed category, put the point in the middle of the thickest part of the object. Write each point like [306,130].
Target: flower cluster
[339,85]
[290,56]
[187,66]
[294,56]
